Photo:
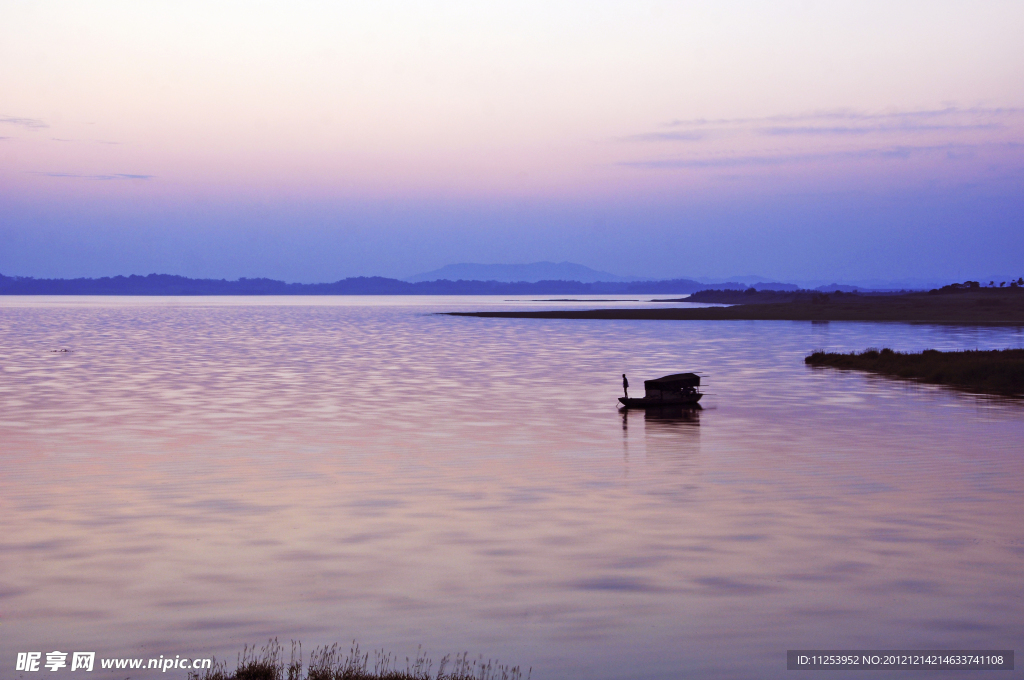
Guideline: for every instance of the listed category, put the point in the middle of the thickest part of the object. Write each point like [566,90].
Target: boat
[678,389]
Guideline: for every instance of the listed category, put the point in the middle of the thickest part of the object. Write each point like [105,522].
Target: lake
[202,473]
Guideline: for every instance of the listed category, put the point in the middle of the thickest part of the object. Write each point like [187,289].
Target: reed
[331,663]
[994,372]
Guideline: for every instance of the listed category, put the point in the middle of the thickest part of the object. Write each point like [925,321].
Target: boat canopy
[674,381]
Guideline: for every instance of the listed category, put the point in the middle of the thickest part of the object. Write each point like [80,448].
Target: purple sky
[311,141]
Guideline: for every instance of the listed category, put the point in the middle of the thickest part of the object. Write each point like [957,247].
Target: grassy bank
[331,663]
[986,306]
[994,372]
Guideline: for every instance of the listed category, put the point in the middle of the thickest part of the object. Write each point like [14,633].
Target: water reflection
[199,476]
[668,432]
[686,415]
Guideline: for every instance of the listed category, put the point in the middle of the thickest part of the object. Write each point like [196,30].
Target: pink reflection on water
[198,477]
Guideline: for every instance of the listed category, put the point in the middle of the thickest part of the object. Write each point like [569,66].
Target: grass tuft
[994,372]
[330,663]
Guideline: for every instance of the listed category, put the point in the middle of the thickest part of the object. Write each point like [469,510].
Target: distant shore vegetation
[168,284]
[956,303]
[990,371]
[172,284]
[331,663]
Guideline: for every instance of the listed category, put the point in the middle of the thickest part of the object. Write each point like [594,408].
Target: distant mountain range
[509,273]
[571,271]
[168,284]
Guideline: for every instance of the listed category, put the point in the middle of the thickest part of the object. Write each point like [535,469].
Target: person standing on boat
[625,385]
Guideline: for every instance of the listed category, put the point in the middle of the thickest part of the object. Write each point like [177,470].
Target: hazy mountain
[876,284]
[508,273]
[166,284]
[749,279]
[764,283]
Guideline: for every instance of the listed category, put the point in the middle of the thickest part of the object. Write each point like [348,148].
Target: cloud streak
[86,141]
[690,136]
[902,152]
[850,116]
[840,124]
[117,176]
[834,137]
[871,129]
[30,123]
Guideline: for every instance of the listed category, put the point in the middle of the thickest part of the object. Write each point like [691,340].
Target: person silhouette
[625,385]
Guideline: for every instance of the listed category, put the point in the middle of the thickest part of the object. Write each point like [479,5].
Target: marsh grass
[331,663]
[995,371]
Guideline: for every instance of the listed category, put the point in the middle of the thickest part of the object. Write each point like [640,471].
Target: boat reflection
[683,415]
[670,433]
[688,414]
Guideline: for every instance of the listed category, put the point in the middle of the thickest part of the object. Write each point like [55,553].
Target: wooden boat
[678,389]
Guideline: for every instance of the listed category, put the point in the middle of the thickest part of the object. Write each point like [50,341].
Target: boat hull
[644,402]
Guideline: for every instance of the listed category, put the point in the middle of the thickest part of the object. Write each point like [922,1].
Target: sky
[312,141]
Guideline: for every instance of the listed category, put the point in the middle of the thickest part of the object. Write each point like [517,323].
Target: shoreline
[998,372]
[976,307]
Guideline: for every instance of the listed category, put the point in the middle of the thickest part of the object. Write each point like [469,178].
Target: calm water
[203,473]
